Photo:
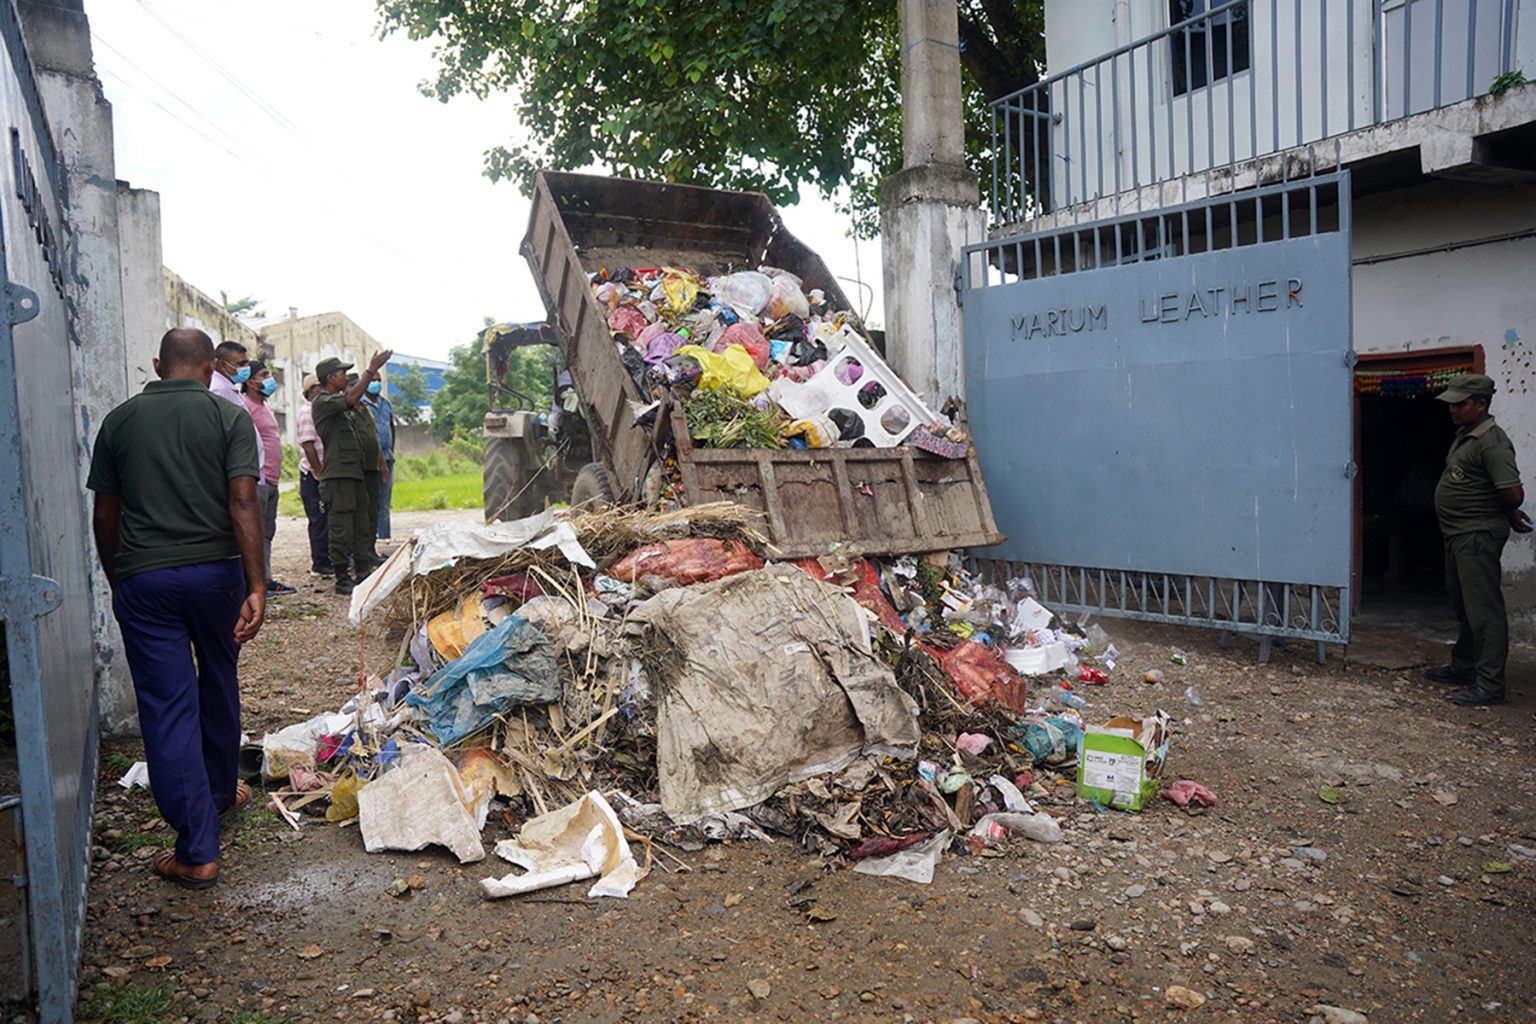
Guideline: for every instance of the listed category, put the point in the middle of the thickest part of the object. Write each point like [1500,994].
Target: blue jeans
[189,710]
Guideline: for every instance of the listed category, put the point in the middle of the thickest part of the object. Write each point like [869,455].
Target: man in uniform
[179,534]
[351,452]
[1478,502]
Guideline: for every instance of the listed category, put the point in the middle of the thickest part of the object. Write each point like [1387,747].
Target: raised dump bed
[882,500]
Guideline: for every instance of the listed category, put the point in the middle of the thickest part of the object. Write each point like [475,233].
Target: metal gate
[1164,411]
[44,586]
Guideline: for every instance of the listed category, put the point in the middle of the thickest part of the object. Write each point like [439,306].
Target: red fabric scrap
[686,562]
[865,590]
[884,846]
[1185,791]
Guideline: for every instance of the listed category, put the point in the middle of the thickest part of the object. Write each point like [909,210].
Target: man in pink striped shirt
[311,460]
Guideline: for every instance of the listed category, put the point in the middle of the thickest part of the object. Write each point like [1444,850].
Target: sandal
[242,797]
[169,868]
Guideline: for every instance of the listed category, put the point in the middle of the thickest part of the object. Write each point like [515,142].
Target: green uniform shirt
[169,453]
[367,430]
[351,440]
[1480,464]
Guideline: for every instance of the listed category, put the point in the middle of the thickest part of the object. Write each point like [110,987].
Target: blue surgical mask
[374,387]
[269,386]
[242,375]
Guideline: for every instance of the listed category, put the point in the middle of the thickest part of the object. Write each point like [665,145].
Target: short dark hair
[228,348]
[185,346]
[256,366]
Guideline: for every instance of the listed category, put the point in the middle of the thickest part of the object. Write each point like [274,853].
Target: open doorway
[1402,432]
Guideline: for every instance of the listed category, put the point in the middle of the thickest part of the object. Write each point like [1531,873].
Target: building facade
[1316,211]
[295,347]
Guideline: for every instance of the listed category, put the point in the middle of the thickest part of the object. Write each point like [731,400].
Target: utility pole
[930,209]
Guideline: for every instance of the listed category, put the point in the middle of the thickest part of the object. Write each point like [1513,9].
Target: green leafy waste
[723,419]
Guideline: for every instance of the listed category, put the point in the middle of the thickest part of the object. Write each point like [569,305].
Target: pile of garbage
[591,679]
[756,362]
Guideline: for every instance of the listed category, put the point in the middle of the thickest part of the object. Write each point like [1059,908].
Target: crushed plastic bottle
[1192,696]
[1072,700]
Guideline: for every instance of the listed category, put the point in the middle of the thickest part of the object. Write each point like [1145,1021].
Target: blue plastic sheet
[508,666]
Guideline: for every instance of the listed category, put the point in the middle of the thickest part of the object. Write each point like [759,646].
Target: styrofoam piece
[886,424]
[1035,661]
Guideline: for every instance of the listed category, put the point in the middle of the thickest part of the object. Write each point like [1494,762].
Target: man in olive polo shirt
[1478,502]
[179,533]
[348,458]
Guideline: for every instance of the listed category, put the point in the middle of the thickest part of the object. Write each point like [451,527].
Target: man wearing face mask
[231,369]
[257,390]
[384,421]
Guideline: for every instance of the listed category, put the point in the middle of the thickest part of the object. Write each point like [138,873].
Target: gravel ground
[1410,899]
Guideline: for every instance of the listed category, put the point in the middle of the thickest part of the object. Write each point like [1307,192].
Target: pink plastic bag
[749,337]
[628,321]
[1185,791]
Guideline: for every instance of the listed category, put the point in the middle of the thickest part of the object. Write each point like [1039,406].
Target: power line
[272,112]
[171,113]
[98,37]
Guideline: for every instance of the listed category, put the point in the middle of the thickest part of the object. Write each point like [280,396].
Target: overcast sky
[297,162]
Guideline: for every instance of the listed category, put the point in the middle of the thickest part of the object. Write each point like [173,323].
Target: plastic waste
[785,297]
[749,337]
[686,562]
[627,321]
[733,369]
[679,290]
[510,665]
[915,863]
[973,742]
[1072,700]
[1052,741]
[746,292]
[663,345]
[1192,696]
[1184,792]
[576,842]
[1013,797]
[1040,827]
[1153,677]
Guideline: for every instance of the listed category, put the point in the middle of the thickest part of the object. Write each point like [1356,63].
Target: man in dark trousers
[1478,503]
[349,438]
[179,531]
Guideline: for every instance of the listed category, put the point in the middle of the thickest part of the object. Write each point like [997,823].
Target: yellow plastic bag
[680,289]
[732,369]
[344,798]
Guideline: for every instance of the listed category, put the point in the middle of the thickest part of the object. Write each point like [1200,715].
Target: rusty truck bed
[880,500]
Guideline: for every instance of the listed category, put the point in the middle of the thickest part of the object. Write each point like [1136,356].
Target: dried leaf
[1496,867]
[820,914]
[157,962]
[310,952]
[733,899]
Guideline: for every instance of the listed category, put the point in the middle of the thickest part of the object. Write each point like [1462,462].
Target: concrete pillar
[143,281]
[930,209]
[58,40]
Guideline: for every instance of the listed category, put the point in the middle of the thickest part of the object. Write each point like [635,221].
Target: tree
[732,93]
[460,405]
[411,387]
[241,307]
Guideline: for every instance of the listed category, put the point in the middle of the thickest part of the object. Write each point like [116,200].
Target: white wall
[1252,112]
[1479,294]
[144,312]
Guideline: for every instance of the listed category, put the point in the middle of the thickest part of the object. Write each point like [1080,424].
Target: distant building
[296,345]
[188,306]
[431,369]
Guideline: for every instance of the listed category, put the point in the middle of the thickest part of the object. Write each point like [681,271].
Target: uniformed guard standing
[1478,502]
[350,442]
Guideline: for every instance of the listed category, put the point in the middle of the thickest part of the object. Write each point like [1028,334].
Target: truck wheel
[593,488]
[503,478]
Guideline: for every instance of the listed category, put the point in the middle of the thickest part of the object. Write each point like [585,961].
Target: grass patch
[118,763]
[459,490]
[256,1017]
[154,839]
[302,611]
[290,504]
[127,1004]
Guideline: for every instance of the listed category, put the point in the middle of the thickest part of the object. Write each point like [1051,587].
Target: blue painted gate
[1163,408]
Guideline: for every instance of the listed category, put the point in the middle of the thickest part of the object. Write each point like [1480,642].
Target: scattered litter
[582,840]
[1184,792]
[914,863]
[422,803]
[138,775]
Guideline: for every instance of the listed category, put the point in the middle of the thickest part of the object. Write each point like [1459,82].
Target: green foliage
[410,385]
[290,470]
[241,306]
[460,405]
[466,448]
[439,463]
[460,490]
[723,419]
[127,1004]
[1508,80]
[754,94]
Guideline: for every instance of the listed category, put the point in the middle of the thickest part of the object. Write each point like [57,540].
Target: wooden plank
[920,526]
[844,488]
[770,485]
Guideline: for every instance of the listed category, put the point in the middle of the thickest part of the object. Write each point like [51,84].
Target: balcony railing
[1233,83]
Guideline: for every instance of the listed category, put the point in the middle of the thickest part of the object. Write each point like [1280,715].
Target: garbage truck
[876,500]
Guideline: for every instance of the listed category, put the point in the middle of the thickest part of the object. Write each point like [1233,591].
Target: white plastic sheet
[579,841]
[442,545]
[915,863]
[420,803]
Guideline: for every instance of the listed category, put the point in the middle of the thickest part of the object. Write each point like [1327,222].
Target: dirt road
[1410,899]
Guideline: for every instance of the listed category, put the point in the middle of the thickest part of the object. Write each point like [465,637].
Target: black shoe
[344,583]
[1477,696]
[1447,676]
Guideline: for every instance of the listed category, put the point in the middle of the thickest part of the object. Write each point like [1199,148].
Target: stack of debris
[756,362]
[594,678]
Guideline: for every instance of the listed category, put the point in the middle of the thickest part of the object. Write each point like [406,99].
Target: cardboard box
[1120,761]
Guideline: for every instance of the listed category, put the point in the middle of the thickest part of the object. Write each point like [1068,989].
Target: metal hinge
[31,597]
[21,303]
[959,284]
